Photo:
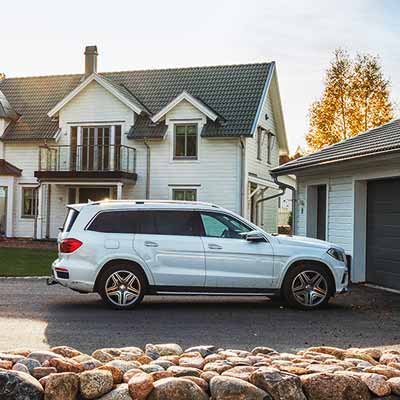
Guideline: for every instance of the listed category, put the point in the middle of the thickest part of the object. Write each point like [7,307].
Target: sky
[44,37]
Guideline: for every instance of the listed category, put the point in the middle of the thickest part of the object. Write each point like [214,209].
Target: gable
[270,114]
[189,99]
[184,110]
[94,103]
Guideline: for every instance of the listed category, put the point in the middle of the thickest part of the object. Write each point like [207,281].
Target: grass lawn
[25,262]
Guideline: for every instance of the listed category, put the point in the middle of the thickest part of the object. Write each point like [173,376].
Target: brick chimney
[90,60]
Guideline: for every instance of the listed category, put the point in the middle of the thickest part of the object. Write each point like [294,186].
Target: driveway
[33,315]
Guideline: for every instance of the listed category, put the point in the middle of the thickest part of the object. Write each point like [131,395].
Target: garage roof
[385,138]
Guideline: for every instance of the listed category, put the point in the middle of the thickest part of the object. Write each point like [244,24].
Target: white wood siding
[339,208]
[215,175]
[262,168]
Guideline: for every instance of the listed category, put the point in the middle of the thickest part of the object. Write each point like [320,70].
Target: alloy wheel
[310,288]
[122,288]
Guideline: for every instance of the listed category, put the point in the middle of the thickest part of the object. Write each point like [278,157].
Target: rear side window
[70,219]
[123,222]
[163,222]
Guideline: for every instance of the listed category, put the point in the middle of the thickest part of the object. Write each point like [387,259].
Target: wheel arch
[307,261]
[117,261]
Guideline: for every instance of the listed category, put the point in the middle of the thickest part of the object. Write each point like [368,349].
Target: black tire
[294,298]
[108,277]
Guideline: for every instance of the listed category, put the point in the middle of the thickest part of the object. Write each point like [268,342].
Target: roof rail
[155,202]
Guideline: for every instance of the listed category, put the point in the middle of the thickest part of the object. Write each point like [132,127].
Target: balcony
[87,162]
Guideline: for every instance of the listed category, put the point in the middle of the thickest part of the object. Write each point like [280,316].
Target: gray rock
[95,383]
[227,388]
[148,368]
[203,350]
[124,366]
[263,350]
[185,371]
[30,363]
[169,349]
[15,385]
[63,386]
[121,392]
[43,356]
[162,363]
[279,385]
[176,388]
[20,367]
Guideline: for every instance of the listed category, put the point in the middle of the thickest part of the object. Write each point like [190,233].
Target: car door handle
[148,243]
[214,246]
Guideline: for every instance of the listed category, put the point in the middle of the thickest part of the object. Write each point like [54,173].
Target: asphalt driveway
[33,315]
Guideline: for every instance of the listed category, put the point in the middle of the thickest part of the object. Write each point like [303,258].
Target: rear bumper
[66,277]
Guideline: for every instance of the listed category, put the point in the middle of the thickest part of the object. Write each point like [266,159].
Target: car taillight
[69,245]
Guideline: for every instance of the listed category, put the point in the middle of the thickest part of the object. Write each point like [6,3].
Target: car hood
[304,241]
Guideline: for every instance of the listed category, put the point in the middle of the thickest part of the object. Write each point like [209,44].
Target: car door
[169,243]
[231,260]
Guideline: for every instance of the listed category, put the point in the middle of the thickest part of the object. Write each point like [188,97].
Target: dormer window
[185,141]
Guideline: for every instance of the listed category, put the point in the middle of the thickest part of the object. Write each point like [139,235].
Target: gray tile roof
[385,138]
[233,91]
[6,111]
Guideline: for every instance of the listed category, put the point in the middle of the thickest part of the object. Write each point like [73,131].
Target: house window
[184,194]
[260,134]
[185,142]
[29,204]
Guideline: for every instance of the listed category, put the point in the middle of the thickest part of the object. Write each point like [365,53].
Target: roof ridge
[140,70]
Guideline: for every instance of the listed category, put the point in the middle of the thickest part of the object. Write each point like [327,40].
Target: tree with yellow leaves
[355,99]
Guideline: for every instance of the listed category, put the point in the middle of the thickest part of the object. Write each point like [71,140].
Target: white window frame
[185,158]
[21,203]
[178,187]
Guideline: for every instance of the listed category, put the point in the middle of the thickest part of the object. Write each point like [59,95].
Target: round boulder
[63,386]
[279,385]
[326,386]
[228,388]
[176,388]
[15,385]
[140,385]
[95,383]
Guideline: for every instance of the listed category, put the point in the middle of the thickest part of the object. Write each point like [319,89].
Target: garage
[383,233]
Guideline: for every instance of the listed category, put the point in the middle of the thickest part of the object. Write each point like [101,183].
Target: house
[206,133]
[349,194]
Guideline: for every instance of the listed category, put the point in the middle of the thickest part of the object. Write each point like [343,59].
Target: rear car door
[231,260]
[169,243]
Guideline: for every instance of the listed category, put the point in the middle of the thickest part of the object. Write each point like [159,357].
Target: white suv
[126,249]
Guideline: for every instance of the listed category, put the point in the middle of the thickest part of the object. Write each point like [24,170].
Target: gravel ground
[37,316]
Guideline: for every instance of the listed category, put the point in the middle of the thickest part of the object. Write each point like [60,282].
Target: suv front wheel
[122,286]
[307,287]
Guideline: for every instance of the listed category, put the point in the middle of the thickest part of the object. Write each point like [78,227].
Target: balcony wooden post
[79,147]
[112,148]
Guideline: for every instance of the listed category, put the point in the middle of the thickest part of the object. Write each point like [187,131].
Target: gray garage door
[383,233]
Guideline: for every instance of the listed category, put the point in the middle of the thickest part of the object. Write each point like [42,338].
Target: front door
[231,261]
[169,243]
[3,210]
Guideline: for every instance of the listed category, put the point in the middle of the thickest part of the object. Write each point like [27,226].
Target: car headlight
[336,254]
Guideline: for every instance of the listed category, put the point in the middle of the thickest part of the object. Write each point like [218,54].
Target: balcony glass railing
[87,158]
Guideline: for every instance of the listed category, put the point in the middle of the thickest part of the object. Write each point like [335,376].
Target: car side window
[223,226]
[123,222]
[179,223]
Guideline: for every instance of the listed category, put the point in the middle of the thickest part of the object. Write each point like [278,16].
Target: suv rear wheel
[308,287]
[122,286]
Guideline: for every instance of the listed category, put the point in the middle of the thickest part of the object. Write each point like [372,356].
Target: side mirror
[255,236]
